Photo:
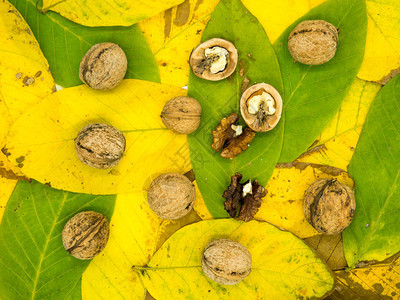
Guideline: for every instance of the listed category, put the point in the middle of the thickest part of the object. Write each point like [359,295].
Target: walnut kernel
[100,145]
[214,59]
[182,115]
[103,67]
[171,196]
[329,206]
[86,234]
[226,262]
[313,42]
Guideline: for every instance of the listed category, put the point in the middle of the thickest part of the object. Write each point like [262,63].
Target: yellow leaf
[200,207]
[382,52]
[283,205]
[283,267]
[379,281]
[24,72]
[135,234]
[41,142]
[173,34]
[6,188]
[335,146]
[107,13]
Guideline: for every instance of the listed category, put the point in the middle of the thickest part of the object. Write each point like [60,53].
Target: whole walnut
[86,234]
[226,261]
[329,206]
[100,145]
[313,42]
[104,66]
[171,196]
[182,115]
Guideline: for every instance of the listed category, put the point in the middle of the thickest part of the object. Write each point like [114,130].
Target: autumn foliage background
[41,46]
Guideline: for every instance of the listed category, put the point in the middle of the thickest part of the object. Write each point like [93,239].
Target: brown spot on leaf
[318,149]
[245,84]
[168,22]
[5,151]
[28,81]
[386,79]
[20,159]
[182,13]
[38,73]
[18,75]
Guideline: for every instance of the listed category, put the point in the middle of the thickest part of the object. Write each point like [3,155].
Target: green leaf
[257,62]
[33,262]
[313,94]
[374,233]
[283,267]
[64,43]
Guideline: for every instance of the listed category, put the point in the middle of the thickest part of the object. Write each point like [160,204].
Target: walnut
[248,194]
[230,138]
[214,59]
[171,196]
[104,66]
[86,234]
[100,145]
[182,115]
[226,262]
[329,206]
[313,42]
[261,107]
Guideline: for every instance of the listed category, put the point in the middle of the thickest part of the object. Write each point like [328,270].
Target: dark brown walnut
[86,234]
[181,115]
[261,107]
[313,42]
[226,262]
[100,145]
[103,67]
[171,196]
[249,195]
[229,137]
[214,59]
[329,206]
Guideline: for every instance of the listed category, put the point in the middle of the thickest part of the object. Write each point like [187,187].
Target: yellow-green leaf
[379,281]
[107,13]
[382,51]
[173,34]
[24,72]
[135,234]
[6,188]
[41,142]
[283,267]
[336,144]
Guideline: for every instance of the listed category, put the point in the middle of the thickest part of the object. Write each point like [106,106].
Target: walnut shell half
[226,261]
[214,66]
[313,42]
[329,206]
[261,107]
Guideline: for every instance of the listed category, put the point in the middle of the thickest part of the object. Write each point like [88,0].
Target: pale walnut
[86,234]
[171,196]
[329,206]
[104,66]
[100,145]
[182,115]
[313,42]
[226,262]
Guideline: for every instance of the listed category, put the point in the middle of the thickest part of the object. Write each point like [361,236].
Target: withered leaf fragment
[252,202]
[224,137]
[233,195]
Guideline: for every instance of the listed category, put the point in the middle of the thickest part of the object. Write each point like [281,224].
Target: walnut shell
[226,262]
[100,145]
[201,65]
[329,206]
[313,42]
[103,67]
[182,115]
[261,121]
[86,234]
[171,196]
